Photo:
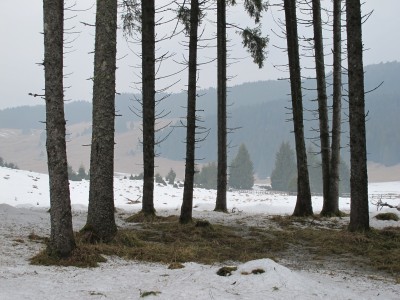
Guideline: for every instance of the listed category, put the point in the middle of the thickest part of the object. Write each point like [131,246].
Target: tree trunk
[148,90]
[303,203]
[322,103]
[101,220]
[221,94]
[332,208]
[62,240]
[186,210]
[359,214]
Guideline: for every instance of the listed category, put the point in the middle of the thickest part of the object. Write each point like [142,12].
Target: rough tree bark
[322,101]
[359,213]
[148,90]
[62,240]
[303,203]
[187,204]
[221,204]
[332,206]
[101,220]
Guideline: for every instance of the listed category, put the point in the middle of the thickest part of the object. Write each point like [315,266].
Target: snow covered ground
[24,200]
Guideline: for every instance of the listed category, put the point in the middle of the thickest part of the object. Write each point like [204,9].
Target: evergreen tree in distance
[82,173]
[314,170]
[241,170]
[7,165]
[171,177]
[207,177]
[284,175]
[285,168]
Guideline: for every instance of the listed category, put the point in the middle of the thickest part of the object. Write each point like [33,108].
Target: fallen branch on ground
[379,205]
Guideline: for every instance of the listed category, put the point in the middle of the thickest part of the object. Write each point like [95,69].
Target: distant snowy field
[24,200]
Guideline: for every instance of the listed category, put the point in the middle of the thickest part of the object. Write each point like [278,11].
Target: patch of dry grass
[83,256]
[34,237]
[166,241]
[140,217]
[387,217]
[376,248]
[170,242]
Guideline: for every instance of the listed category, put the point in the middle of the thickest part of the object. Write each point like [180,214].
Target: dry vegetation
[387,217]
[315,240]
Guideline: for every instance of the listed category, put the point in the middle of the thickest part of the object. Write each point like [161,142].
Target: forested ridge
[264,126]
[261,119]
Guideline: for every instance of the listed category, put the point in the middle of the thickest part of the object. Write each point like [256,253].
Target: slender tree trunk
[148,90]
[359,214]
[221,94]
[322,102]
[332,207]
[62,240]
[186,210]
[101,220]
[303,204]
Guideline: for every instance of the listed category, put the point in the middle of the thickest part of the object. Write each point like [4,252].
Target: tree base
[142,217]
[92,236]
[332,214]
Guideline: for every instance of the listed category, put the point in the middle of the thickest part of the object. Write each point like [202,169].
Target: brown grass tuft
[387,217]
[175,266]
[34,237]
[82,257]
[140,217]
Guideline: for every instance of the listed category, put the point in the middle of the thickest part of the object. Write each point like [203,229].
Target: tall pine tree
[148,90]
[62,240]
[322,98]
[303,203]
[255,45]
[359,212]
[187,203]
[220,204]
[101,219]
[331,207]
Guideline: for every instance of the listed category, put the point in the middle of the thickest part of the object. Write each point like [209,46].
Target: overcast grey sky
[21,27]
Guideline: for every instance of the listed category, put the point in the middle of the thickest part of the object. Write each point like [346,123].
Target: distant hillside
[263,126]
[259,110]
[247,94]
[32,117]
